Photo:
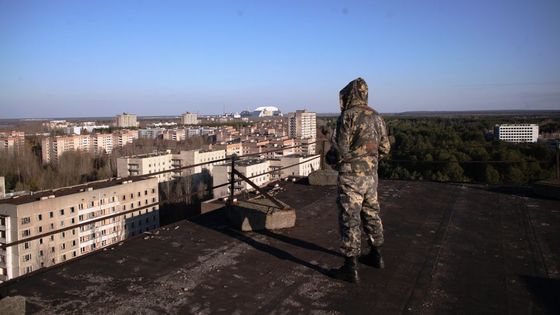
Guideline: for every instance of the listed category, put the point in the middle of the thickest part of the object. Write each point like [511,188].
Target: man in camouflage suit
[359,141]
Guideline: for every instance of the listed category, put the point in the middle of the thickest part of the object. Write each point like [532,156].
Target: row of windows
[62,212]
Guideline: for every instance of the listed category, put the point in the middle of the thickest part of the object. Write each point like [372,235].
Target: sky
[99,58]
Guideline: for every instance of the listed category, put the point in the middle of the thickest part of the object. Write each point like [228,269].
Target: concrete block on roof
[323,178]
[260,214]
[12,305]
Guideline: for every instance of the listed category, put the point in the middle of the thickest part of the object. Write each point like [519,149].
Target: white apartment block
[230,148]
[146,164]
[151,133]
[9,141]
[298,165]
[517,132]
[58,225]
[189,118]
[253,169]
[175,134]
[98,143]
[302,125]
[77,130]
[126,120]
[193,157]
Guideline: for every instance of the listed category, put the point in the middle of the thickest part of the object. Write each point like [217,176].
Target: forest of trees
[23,169]
[462,149]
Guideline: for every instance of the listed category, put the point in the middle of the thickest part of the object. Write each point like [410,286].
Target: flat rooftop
[36,196]
[450,249]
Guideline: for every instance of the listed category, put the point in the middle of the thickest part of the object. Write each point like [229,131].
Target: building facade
[189,118]
[11,141]
[97,143]
[146,164]
[256,169]
[193,157]
[298,165]
[302,125]
[125,120]
[517,132]
[58,225]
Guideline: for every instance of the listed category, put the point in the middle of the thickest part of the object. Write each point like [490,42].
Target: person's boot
[348,271]
[374,258]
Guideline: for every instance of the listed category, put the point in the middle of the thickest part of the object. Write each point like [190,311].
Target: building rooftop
[449,249]
[36,196]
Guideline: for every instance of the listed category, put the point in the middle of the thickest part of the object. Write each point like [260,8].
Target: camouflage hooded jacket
[361,136]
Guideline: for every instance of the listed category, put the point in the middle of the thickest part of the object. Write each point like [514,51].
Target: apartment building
[125,120]
[145,164]
[189,118]
[58,225]
[299,165]
[175,134]
[256,169]
[11,141]
[230,148]
[98,143]
[193,157]
[517,132]
[302,125]
[151,133]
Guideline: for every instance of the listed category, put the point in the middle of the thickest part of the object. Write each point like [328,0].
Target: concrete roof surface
[450,249]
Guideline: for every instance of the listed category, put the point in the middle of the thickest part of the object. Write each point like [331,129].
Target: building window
[72,209]
[25,233]
[25,220]
[27,257]
[145,192]
[51,214]
[26,245]
[61,211]
[39,217]
[40,229]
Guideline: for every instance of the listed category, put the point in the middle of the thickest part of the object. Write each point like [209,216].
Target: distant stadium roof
[265,111]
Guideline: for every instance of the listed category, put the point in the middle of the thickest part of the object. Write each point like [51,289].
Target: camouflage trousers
[357,203]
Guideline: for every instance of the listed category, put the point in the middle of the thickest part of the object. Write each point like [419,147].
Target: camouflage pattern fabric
[360,140]
[357,202]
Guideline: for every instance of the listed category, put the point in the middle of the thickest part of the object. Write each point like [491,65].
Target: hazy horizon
[83,59]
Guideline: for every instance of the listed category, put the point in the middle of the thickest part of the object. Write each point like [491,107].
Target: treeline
[23,168]
[462,149]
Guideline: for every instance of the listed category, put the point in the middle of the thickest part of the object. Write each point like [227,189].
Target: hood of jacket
[354,94]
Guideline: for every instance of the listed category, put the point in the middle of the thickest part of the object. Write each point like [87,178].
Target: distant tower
[302,125]
[126,120]
[189,118]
